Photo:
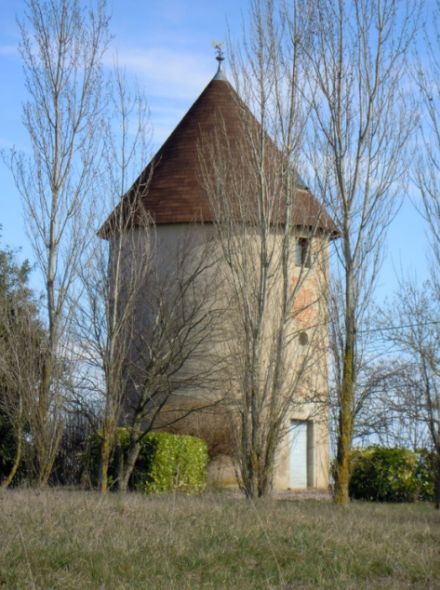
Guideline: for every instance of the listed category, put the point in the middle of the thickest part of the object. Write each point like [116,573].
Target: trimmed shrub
[390,475]
[166,462]
[173,462]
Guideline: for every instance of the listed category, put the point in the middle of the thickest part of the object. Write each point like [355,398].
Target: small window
[303,252]
[303,338]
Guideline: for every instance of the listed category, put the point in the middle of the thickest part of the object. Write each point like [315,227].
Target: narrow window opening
[303,338]
[303,252]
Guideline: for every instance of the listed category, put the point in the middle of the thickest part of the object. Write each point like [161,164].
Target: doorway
[301,454]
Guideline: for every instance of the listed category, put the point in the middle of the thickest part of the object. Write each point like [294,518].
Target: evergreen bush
[390,475]
[173,462]
[166,462]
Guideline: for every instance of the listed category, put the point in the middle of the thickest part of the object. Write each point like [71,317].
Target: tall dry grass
[78,540]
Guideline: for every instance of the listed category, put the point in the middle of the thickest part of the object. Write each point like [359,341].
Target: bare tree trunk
[47,436]
[17,460]
[108,434]
[345,424]
[127,467]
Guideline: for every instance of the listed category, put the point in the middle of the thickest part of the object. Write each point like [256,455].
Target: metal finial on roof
[220,56]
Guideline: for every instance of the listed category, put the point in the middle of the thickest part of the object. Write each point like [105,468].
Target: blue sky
[166,44]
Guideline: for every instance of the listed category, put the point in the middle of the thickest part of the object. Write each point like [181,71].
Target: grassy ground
[77,540]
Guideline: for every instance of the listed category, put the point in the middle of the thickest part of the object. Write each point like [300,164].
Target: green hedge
[174,462]
[166,462]
[391,475]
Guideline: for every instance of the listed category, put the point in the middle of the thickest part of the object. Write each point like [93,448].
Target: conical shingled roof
[170,187]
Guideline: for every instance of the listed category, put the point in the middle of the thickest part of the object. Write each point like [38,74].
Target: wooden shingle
[170,188]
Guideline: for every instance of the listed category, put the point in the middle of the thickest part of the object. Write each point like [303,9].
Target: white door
[298,454]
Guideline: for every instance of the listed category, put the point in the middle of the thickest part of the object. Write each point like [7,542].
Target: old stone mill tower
[172,194]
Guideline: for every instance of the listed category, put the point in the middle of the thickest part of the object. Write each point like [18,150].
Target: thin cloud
[8,50]
[166,72]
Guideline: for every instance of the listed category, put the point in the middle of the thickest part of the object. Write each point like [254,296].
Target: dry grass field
[63,539]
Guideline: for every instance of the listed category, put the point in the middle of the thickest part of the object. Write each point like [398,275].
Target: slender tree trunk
[345,429]
[17,460]
[437,480]
[47,433]
[128,466]
[345,425]
[106,449]
[43,479]
[41,425]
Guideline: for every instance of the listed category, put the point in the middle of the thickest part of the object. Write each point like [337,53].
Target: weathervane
[220,56]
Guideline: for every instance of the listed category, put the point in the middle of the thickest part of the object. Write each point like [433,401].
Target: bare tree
[106,327]
[61,47]
[413,326]
[145,309]
[271,238]
[172,369]
[427,169]
[378,374]
[360,126]
[387,409]
[402,406]
[111,283]
[427,166]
